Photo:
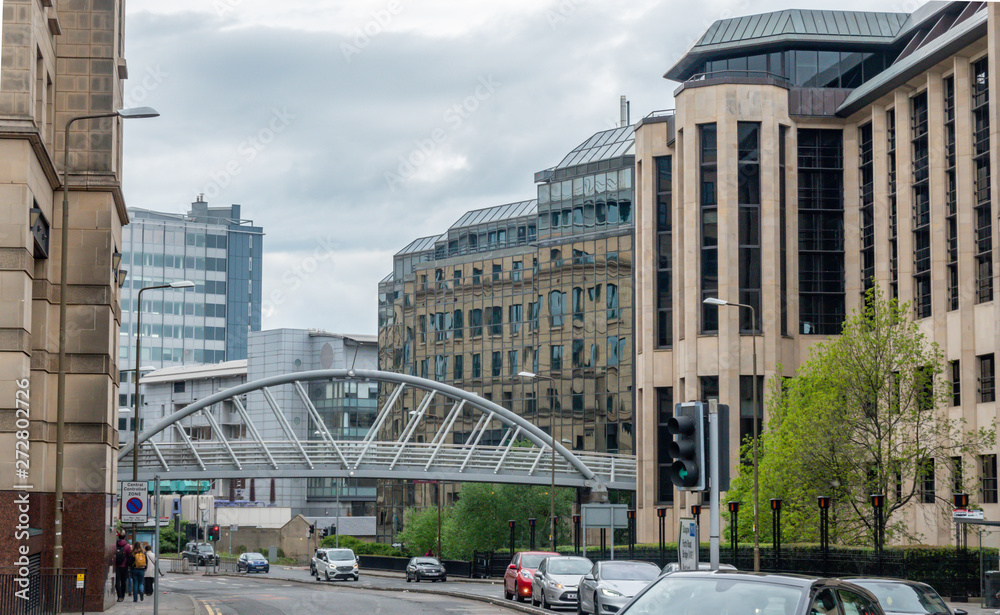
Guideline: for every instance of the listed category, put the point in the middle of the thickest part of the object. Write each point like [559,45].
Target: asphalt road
[257,595]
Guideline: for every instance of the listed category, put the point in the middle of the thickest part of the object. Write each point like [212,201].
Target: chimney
[625,119]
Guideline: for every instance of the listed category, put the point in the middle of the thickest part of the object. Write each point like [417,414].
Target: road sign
[960,513]
[605,515]
[134,495]
[687,544]
[79,580]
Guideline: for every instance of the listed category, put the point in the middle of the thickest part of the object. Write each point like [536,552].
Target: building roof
[420,245]
[196,372]
[843,28]
[353,337]
[496,213]
[603,145]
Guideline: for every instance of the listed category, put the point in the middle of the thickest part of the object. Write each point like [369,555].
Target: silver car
[675,567]
[609,585]
[556,581]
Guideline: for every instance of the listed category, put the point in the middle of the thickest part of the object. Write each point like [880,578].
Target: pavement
[171,603]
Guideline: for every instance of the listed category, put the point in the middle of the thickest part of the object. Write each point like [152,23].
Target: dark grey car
[899,597]
[556,581]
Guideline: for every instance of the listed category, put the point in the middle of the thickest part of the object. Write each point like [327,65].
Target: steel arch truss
[523,454]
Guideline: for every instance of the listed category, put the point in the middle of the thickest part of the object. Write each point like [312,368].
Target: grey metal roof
[496,213]
[604,145]
[420,245]
[800,22]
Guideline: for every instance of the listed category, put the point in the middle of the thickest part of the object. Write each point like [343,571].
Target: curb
[509,604]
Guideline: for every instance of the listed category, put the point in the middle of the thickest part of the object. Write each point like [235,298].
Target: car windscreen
[531,560]
[255,556]
[339,554]
[426,560]
[204,549]
[569,565]
[683,595]
[629,572]
[905,598]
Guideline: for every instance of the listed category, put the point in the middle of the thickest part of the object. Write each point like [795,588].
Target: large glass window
[748,189]
[866,171]
[709,227]
[890,132]
[981,170]
[557,307]
[821,231]
[988,479]
[783,231]
[951,193]
[921,207]
[664,247]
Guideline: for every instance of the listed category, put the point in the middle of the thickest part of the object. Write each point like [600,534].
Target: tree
[420,529]
[865,414]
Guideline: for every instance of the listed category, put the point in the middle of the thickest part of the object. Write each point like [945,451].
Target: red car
[517,579]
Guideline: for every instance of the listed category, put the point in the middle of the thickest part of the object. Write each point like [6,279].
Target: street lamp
[552,490]
[135,113]
[753,404]
[135,392]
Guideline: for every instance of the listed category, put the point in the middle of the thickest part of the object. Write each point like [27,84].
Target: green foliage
[861,416]
[420,529]
[360,547]
[240,550]
[168,540]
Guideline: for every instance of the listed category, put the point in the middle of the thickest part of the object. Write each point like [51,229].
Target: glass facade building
[541,286]
[214,248]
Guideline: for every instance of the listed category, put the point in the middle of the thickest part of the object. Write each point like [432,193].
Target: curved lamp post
[756,418]
[134,113]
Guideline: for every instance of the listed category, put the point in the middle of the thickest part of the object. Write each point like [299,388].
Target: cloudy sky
[311,113]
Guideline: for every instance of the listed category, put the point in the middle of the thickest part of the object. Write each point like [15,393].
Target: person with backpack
[122,552]
[150,570]
[137,563]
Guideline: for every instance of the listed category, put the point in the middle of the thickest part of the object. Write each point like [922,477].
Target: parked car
[897,596]
[332,564]
[252,562]
[420,568]
[675,567]
[556,581]
[520,572]
[742,593]
[200,554]
[609,585]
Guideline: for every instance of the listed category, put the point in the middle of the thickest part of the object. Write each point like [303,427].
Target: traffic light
[324,532]
[312,530]
[213,532]
[687,426]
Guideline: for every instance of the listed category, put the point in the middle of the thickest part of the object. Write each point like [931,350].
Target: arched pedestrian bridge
[425,448]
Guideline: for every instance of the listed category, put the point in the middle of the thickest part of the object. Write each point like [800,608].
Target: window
[951,193]
[577,358]
[821,232]
[709,227]
[441,367]
[512,362]
[476,322]
[987,378]
[459,367]
[981,177]
[577,304]
[458,322]
[956,475]
[497,364]
[556,357]
[477,365]
[748,190]
[664,256]
[709,387]
[664,412]
[612,301]
[495,320]
[425,368]
[921,207]
[616,349]
[533,310]
[497,270]
[477,274]
[557,305]
[866,173]
[515,272]
[422,327]
[988,479]
[782,232]
[179,386]
[516,316]
[890,132]
[956,383]
[925,477]
[747,407]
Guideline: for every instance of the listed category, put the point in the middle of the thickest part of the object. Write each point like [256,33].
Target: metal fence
[42,592]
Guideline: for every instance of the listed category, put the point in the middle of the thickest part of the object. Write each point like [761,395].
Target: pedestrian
[429,553]
[122,551]
[151,569]
[137,563]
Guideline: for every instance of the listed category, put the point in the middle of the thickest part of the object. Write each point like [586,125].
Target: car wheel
[597,605]
[533,601]
[545,603]
[327,574]
[416,577]
[408,579]
[444,579]
[506,594]
[517,591]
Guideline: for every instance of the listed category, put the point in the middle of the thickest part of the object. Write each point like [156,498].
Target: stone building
[61,60]
[832,149]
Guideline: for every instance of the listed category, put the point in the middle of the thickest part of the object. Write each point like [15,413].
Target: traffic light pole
[713,448]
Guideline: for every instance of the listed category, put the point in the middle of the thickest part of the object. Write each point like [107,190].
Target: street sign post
[687,544]
[134,503]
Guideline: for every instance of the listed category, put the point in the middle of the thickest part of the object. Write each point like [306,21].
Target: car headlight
[611,592]
[555,584]
[525,575]
[355,565]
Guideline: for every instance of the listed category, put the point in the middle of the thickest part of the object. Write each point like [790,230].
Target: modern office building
[542,286]
[811,153]
[347,408]
[61,60]
[214,248]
